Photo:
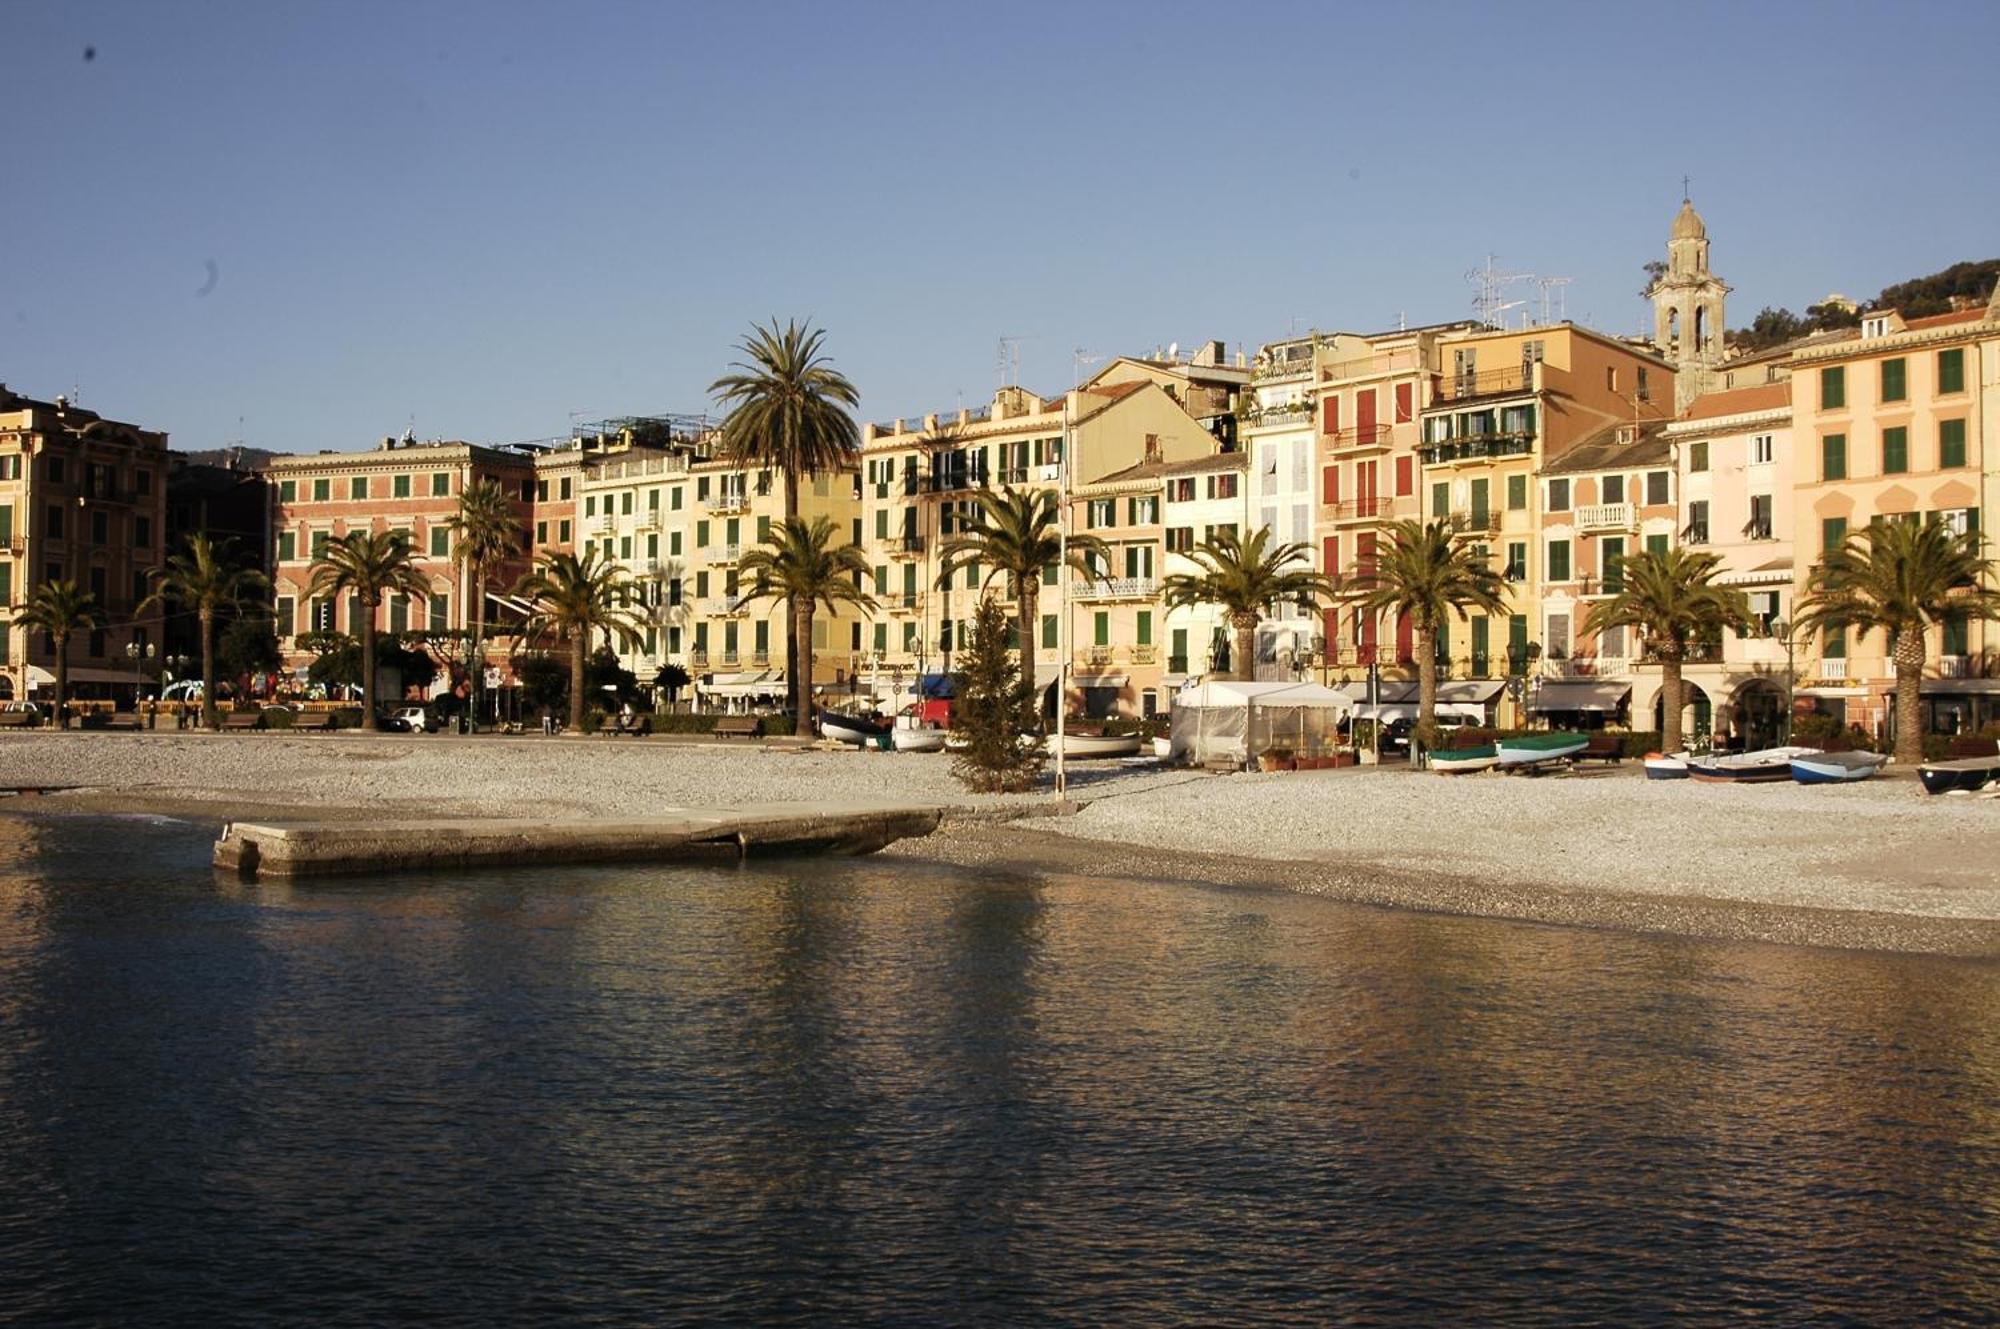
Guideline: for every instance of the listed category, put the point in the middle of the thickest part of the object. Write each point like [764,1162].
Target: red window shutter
[1368,637]
[1364,415]
[1364,551]
[1330,486]
[1329,412]
[1405,639]
[1405,410]
[1405,479]
[1332,555]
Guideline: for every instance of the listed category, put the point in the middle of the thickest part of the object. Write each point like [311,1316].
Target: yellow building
[1899,423]
[1503,405]
[82,499]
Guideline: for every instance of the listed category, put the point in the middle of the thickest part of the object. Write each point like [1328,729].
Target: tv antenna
[1553,285]
[1007,360]
[1490,301]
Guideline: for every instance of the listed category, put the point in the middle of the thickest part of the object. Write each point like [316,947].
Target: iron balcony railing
[1476,519]
[907,546]
[1119,588]
[1511,381]
[1478,447]
[1358,436]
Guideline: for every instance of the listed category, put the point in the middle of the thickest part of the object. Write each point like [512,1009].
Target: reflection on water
[884,1091]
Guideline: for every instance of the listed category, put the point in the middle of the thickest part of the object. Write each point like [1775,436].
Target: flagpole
[1062,599]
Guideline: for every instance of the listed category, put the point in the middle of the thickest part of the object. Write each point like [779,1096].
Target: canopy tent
[1235,720]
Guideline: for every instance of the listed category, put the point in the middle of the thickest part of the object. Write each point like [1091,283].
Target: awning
[1574,696]
[753,683]
[1100,680]
[1407,710]
[39,677]
[1959,687]
[1778,572]
[1477,691]
[1830,692]
[122,677]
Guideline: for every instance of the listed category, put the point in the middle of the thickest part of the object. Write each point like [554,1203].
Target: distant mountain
[237,458]
[1958,286]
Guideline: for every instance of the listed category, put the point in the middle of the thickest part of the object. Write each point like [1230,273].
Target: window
[319,543]
[1951,370]
[562,532]
[1833,457]
[1832,388]
[1100,512]
[322,490]
[288,491]
[1956,638]
[100,528]
[1180,539]
[1657,544]
[1440,499]
[1760,450]
[1832,532]
[440,484]
[674,498]
[563,492]
[624,546]
[401,486]
[1951,443]
[357,487]
[288,546]
[1698,456]
[1222,486]
[1895,450]
[440,542]
[1048,632]
[55,521]
[1558,496]
[1558,561]
[1517,493]
[701,535]
[1697,527]
[1405,477]
[1517,561]
[1760,517]
[1613,550]
[1612,489]
[1100,629]
[1644,391]
[1833,644]
[625,503]
[55,470]
[1611,378]
[1895,385]
[1659,489]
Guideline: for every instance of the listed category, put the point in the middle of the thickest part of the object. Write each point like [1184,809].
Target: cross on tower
[1684,190]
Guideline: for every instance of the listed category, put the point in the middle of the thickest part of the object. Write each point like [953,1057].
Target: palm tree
[485,530]
[60,608]
[368,565]
[207,579]
[1427,573]
[1016,534]
[1242,575]
[786,406]
[802,566]
[1671,598]
[572,599]
[1900,577]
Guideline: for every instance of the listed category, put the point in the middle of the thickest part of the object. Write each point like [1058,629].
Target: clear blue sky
[488,217]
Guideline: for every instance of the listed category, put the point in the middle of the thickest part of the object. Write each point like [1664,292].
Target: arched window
[1673,329]
[1701,328]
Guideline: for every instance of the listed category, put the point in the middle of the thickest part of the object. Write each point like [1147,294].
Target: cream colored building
[1277,433]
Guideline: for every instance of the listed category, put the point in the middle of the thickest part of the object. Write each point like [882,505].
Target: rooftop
[1602,451]
[1155,470]
[1739,401]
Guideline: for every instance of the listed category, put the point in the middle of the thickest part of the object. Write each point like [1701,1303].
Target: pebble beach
[1600,846]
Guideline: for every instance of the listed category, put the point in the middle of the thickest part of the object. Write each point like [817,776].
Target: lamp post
[1785,629]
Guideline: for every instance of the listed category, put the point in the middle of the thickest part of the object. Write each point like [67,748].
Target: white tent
[1236,720]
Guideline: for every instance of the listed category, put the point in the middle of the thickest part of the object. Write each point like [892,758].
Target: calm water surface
[887,1092]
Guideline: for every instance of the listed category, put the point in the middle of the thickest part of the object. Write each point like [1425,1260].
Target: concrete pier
[675,835]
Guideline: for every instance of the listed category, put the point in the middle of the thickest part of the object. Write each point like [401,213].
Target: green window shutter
[402,486]
[763,530]
[1834,644]
[1833,457]
[1558,560]
[624,546]
[881,523]
[1657,544]
[763,635]
[673,544]
[1440,500]
[1956,635]
[701,585]
[1100,628]
[1144,635]
[1832,532]
[440,542]
[288,491]
[440,484]
[288,543]
[1951,370]
[1481,631]
[1951,443]
[675,498]
[1698,456]
[6,593]
[1832,388]
[1517,637]
[1895,386]
[1049,575]
[1481,489]
[972,576]
[1895,450]
[701,535]
[1048,632]
[1441,649]
[1517,493]
[732,531]
[909,579]
[881,579]
[653,545]
[1613,550]
[881,636]
[625,503]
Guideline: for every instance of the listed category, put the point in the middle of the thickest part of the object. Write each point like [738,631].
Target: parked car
[410,720]
[1396,733]
[23,714]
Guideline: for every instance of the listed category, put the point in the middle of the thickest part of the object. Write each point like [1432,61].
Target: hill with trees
[1956,287]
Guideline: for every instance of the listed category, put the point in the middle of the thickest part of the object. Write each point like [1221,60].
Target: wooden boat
[1091,747]
[855,729]
[1534,749]
[1461,761]
[1666,766]
[1765,766]
[1836,767]
[918,738]
[1965,775]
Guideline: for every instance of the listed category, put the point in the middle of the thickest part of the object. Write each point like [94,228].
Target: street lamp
[1785,629]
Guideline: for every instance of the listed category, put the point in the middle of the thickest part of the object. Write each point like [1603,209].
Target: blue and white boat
[1666,765]
[1836,767]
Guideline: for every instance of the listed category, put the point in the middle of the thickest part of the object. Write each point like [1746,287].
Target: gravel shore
[1600,846]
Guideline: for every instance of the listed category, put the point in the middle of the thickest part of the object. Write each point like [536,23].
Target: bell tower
[1687,307]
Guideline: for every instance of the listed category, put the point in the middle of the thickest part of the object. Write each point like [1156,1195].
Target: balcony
[909,602]
[698,658]
[1511,382]
[731,659]
[1587,666]
[651,567]
[1954,666]
[1833,671]
[906,546]
[1476,519]
[1178,664]
[1014,475]
[724,607]
[1370,509]
[1606,517]
[1145,655]
[725,553]
[1120,588]
[957,481]
[1094,657]
[650,520]
[760,659]
[1479,447]
[1361,436]
[729,500]
[1289,415]
[607,523]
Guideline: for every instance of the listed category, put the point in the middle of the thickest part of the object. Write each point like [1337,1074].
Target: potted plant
[1275,759]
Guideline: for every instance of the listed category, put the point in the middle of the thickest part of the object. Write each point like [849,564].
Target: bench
[123,720]
[739,726]
[314,720]
[1974,747]
[243,720]
[1604,747]
[634,725]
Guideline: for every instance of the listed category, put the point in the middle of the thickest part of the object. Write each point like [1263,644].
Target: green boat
[1458,761]
[1533,749]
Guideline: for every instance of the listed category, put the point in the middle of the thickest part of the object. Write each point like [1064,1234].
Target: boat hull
[1533,749]
[1769,766]
[1835,767]
[1964,776]
[848,729]
[1464,761]
[919,740]
[1091,747]
[1660,766]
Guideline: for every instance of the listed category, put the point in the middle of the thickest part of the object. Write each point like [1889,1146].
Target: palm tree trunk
[1244,624]
[579,655]
[368,720]
[802,688]
[1026,602]
[793,652]
[1671,703]
[1909,657]
[476,670]
[62,680]
[209,717]
[1424,641]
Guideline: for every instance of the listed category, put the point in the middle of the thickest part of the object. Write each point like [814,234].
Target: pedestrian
[548,722]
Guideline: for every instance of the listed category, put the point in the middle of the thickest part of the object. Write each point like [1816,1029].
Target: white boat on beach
[918,738]
[1093,747]
[1666,765]
[855,729]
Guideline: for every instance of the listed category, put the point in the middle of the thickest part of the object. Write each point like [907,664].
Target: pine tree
[991,708]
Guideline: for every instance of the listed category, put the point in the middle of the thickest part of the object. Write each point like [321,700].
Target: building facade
[83,499]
